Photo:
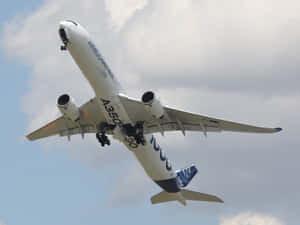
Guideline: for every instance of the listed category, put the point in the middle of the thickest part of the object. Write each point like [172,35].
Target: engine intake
[68,108]
[153,105]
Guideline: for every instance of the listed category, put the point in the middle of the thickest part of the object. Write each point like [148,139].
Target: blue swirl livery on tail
[184,176]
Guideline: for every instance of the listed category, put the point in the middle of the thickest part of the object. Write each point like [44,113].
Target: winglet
[278,129]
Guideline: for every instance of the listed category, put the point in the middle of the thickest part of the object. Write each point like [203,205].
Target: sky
[236,60]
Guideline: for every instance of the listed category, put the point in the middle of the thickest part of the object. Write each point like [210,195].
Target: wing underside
[177,120]
[91,116]
[174,120]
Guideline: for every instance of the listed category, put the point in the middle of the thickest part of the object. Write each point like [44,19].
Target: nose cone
[63,24]
[66,30]
[68,24]
[72,34]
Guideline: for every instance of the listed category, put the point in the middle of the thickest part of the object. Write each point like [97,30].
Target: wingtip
[29,138]
[278,129]
[219,200]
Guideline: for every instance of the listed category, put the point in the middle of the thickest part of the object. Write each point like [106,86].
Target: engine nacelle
[68,108]
[153,105]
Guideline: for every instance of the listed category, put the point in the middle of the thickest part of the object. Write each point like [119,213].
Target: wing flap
[51,129]
[178,120]
[210,123]
[91,116]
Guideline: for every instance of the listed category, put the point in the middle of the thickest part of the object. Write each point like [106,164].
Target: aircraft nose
[63,24]
[65,31]
[68,24]
[66,28]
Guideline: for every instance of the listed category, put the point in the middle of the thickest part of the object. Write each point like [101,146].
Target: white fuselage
[107,90]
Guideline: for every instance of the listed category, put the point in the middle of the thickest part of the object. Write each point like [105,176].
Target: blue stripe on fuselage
[100,58]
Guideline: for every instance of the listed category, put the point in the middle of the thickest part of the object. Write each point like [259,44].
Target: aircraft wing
[177,120]
[91,115]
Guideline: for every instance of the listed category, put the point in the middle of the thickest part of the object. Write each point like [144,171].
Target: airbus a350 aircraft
[130,121]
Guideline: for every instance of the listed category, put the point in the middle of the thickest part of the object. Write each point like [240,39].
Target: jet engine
[68,108]
[153,105]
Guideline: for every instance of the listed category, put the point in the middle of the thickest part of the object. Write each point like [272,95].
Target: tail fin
[182,196]
[184,176]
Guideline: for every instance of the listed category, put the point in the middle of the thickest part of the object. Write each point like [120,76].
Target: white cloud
[121,11]
[251,219]
[124,193]
[215,44]
[2,223]
[236,60]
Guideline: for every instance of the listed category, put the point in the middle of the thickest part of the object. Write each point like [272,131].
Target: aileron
[91,116]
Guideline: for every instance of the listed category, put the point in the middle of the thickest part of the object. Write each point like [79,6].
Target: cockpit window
[71,21]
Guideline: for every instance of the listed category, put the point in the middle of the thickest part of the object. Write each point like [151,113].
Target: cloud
[250,219]
[230,46]
[142,190]
[2,223]
[121,11]
[237,60]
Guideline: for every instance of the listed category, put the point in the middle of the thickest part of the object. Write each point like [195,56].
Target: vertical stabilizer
[184,176]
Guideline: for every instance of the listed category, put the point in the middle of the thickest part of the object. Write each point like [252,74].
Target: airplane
[130,121]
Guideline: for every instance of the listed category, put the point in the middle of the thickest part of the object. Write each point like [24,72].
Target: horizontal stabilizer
[197,196]
[182,196]
[164,197]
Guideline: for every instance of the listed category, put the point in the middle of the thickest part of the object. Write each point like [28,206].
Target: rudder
[184,176]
